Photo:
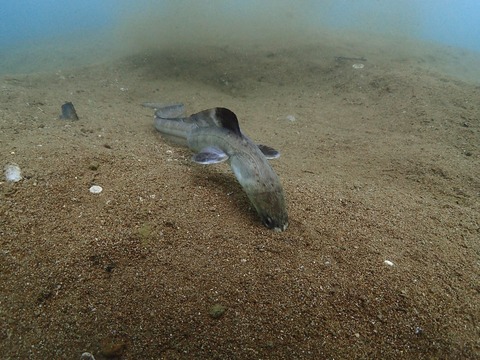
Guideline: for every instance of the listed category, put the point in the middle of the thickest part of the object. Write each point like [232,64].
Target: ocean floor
[381,169]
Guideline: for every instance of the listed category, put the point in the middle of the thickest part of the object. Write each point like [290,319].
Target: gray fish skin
[213,129]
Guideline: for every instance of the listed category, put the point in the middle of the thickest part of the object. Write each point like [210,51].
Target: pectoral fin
[270,153]
[210,155]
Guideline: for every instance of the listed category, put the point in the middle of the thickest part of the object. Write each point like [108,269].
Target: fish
[214,136]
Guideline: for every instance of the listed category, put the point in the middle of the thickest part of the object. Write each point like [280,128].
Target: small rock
[12,173]
[87,356]
[358,66]
[68,112]
[388,263]
[216,311]
[112,348]
[109,268]
[96,189]
[93,166]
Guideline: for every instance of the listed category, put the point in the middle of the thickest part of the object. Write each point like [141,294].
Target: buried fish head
[271,208]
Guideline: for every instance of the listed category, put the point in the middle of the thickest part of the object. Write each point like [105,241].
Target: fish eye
[268,222]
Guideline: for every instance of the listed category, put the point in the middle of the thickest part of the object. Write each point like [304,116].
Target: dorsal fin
[228,120]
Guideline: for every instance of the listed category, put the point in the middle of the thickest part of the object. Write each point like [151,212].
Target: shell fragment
[12,173]
[96,189]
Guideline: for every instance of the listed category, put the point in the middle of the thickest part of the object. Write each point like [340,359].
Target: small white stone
[358,66]
[13,172]
[291,118]
[388,262]
[87,356]
[95,189]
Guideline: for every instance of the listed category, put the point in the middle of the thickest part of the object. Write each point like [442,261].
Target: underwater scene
[240,179]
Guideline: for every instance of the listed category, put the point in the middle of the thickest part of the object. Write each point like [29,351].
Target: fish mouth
[271,208]
[283,228]
[276,224]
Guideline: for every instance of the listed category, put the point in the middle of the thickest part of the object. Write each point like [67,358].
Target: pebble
[358,66]
[216,311]
[93,166]
[112,348]
[87,356]
[13,172]
[96,189]
[388,262]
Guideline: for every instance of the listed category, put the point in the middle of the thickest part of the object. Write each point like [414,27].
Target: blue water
[29,20]
[455,23]
[449,22]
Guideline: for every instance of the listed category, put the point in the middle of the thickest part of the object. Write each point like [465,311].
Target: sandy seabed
[170,261]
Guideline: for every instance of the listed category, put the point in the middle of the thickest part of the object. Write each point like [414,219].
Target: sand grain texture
[381,163]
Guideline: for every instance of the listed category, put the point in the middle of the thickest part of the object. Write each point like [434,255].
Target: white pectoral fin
[270,153]
[210,155]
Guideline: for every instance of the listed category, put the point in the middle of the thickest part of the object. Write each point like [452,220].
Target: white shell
[358,66]
[13,172]
[388,262]
[95,189]
[87,356]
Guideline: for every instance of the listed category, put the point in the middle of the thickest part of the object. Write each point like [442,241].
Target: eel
[214,135]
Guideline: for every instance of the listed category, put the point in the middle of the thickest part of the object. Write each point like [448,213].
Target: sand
[381,169]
